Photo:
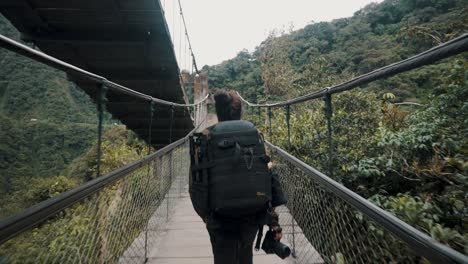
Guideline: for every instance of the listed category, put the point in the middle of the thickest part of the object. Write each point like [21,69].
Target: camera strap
[259,238]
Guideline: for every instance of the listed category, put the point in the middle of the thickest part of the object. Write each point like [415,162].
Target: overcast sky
[219,29]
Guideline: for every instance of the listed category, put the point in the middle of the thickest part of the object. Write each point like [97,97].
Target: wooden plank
[186,240]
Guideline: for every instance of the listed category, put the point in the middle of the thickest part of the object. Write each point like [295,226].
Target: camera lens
[282,250]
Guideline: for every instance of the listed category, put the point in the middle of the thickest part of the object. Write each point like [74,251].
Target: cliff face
[46,121]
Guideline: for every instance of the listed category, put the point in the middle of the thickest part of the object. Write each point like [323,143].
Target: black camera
[272,246]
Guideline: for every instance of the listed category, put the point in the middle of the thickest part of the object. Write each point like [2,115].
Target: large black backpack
[229,171]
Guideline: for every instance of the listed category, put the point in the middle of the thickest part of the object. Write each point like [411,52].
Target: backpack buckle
[248,152]
[225,143]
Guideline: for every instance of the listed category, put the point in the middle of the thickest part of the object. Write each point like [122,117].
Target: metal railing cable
[442,51]
[341,224]
[39,56]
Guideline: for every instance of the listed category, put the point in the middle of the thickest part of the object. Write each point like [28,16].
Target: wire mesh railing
[329,223]
[201,111]
[114,218]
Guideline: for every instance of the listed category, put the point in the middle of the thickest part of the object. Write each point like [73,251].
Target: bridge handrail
[36,214]
[416,240]
[39,56]
[442,51]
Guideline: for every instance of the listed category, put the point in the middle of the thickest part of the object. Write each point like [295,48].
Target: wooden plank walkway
[186,240]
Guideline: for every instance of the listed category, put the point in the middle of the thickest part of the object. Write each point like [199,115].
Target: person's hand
[270,165]
[279,233]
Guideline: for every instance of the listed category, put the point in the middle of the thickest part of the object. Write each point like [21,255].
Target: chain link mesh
[117,224]
[321,227]
[201,111]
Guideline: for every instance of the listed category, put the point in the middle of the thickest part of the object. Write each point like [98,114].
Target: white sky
[219,29]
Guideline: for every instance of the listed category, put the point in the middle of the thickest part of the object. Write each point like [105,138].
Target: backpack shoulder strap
[259,237]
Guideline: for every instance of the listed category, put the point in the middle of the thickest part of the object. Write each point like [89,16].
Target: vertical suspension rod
[171,124]
[259,116]
[170,164]
[150,128]
[269,124]
[329,115]
[100,107]
[149,170]
[288,124]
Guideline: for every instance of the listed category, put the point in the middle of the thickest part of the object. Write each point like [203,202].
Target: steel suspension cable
[173,23]
[188,38]
[180,40]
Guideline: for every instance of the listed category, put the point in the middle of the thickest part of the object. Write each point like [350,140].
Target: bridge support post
[329,115]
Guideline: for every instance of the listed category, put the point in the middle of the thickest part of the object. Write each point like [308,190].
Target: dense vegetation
[289,63]
[48,133]
[64,234]
[411,161]
[45,122]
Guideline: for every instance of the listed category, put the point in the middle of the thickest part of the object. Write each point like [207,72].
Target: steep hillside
[411,161]
[290,63]
[45,120]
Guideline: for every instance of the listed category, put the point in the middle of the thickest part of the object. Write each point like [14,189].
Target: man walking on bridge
[232,185]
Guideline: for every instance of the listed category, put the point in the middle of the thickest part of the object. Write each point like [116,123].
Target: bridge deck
[186,241]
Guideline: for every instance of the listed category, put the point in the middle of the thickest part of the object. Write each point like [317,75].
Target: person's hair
[228,105]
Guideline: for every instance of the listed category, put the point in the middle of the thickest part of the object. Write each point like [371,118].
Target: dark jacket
[277,195]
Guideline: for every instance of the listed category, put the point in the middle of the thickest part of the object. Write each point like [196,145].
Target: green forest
[46,122]
[48,145]
[410,160]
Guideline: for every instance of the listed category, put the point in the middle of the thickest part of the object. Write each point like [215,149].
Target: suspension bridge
[123,55]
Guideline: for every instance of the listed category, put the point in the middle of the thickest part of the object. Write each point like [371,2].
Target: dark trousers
[232,241]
